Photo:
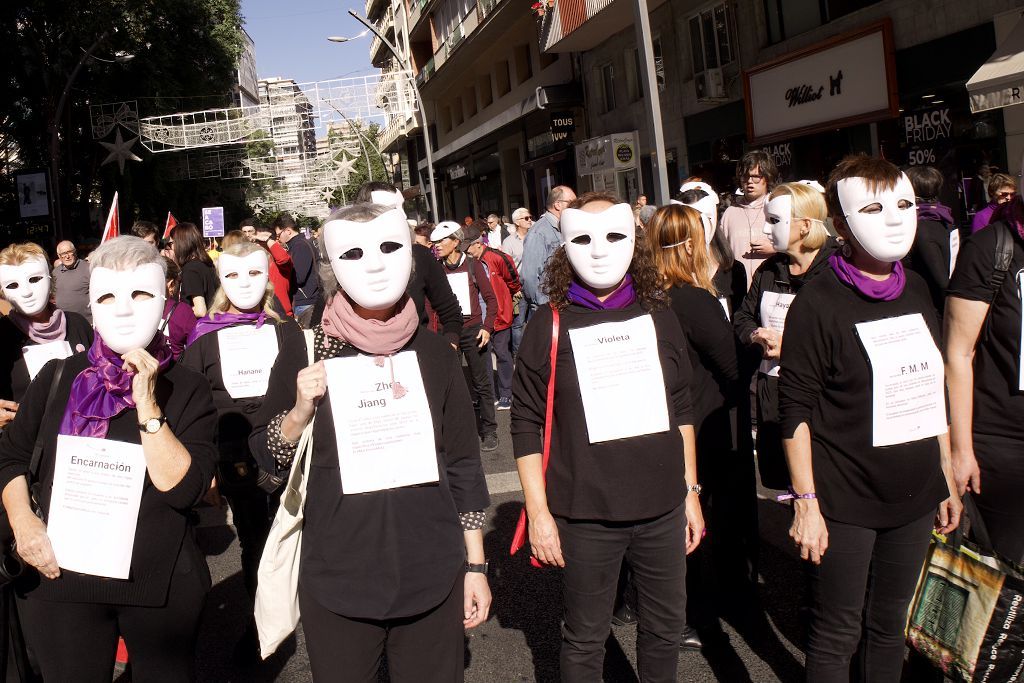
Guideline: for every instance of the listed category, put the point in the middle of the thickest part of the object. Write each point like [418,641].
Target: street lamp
[407,68]
[119,58]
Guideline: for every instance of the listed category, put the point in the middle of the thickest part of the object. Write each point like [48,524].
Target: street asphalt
[520,641]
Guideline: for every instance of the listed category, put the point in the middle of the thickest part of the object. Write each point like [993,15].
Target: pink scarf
[380,338]
[55,329]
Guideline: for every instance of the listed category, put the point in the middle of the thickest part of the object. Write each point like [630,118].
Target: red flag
[171,222]
[113,225]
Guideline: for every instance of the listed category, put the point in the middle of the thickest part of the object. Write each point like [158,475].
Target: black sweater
[825,382]
[198,279]
[929,258]
[392,553]
[998,400]
[234,415]
[622,480]
[713,359]
[14,379]
[163,543]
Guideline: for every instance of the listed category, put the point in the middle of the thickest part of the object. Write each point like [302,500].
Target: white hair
[126,253]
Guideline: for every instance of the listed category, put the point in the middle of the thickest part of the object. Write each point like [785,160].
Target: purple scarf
[54,329]
[880,290]
[1013,213]
[620,298]
[104,389]
[928,211]
[218,321]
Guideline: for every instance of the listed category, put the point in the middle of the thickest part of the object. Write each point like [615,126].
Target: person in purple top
[1001,189]
[178,319]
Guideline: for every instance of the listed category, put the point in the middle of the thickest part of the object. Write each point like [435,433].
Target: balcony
[578,25]
[425,73]
[372,5]
[378,51]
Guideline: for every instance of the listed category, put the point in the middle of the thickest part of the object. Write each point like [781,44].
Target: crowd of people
[640,351]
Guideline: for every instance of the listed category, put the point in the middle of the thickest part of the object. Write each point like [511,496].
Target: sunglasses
[1006,195]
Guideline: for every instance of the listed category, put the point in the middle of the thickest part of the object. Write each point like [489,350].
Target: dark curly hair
[558,273]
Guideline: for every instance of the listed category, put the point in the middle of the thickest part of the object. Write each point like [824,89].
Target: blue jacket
[541,242]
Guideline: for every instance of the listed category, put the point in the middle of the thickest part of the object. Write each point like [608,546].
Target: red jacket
[505,282]
[280,275]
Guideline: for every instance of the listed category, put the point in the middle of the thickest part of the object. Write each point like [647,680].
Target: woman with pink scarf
[35,328]
[392,548]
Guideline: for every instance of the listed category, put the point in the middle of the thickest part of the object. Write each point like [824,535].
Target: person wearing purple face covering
[937,242]
[621,481]
[125,389]
[870,477]
[178,319]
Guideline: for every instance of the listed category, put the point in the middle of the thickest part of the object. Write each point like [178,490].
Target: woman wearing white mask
[796,227]
[234,347]
[392,548]
[862,410]
[35,330]
[729,279]
[622,481]
[126,440]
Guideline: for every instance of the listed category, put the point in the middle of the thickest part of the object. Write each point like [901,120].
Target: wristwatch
[152,425]
[479,568]
[695,488]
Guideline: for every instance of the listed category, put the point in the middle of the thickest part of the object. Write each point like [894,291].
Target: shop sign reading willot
[843,81]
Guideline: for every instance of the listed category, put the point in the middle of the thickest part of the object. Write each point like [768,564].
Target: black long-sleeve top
[429,282]
[234,415]
[622,480]
[391,553]
[929,258]
[825,381]
[162,542]
[14,377]
[713,358]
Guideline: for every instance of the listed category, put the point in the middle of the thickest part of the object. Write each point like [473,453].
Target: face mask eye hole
[11,286]
[255,273]
[105,298]
[353,254]
[614,237]
[774,220]
[872,208]
[905,204]
[390,247]
[35,278]
[140,295]
[230,276]
[581,240]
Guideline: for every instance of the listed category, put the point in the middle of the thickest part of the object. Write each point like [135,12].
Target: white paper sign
[39,355]
[383,442]
[774,309]
[908,398]
[1020,364]
[621,382]
[954,249]
[94,507]
[459,283]
[725,307]
[246,357]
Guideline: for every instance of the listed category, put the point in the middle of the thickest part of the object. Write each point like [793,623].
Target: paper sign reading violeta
[94,507]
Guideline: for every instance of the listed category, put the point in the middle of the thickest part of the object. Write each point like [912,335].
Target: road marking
[503,482]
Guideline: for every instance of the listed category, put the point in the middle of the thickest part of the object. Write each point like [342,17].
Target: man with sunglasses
[540,243]
[513,246]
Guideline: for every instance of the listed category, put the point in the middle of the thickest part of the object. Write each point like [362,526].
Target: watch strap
[479,568]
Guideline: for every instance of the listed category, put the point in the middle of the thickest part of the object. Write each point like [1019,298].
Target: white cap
[444,229]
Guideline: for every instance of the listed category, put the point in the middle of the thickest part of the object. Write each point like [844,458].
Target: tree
[185,55]
[369,137]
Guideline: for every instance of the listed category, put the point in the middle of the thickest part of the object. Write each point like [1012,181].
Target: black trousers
[859,598]
[427,648]
[1001,502]
[78,641]
[593,552]
[479,362]
[252,510]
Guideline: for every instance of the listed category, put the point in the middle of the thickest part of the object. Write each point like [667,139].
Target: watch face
[152,425]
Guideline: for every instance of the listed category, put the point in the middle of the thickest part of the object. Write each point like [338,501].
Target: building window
[711,38]
[635,84]
[524,64]
[483,85]
[788,18]
[607,88]
[659,64]
[502,78]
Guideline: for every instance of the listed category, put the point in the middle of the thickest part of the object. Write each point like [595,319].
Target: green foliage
[185,55]
[370,138]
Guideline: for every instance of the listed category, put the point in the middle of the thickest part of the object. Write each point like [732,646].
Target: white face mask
[780,219]
[27,285]
[127,305]
[886,231]
[244,278]
[372,261]
[599,245]
[707,206]
[393,200]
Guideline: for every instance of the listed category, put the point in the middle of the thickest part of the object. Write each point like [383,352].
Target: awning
[1000,81]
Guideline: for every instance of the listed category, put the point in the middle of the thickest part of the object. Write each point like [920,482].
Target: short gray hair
[126,253]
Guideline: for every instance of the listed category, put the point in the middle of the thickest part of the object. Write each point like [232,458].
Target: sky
[291,39]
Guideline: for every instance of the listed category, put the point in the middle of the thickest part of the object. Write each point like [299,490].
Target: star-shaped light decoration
[120,151]
[343,167]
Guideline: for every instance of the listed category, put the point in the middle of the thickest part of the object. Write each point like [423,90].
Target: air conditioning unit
[710,85]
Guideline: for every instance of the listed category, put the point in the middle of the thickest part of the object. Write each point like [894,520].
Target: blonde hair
[221,303]
[810,204]
[669,228]
[16,254]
